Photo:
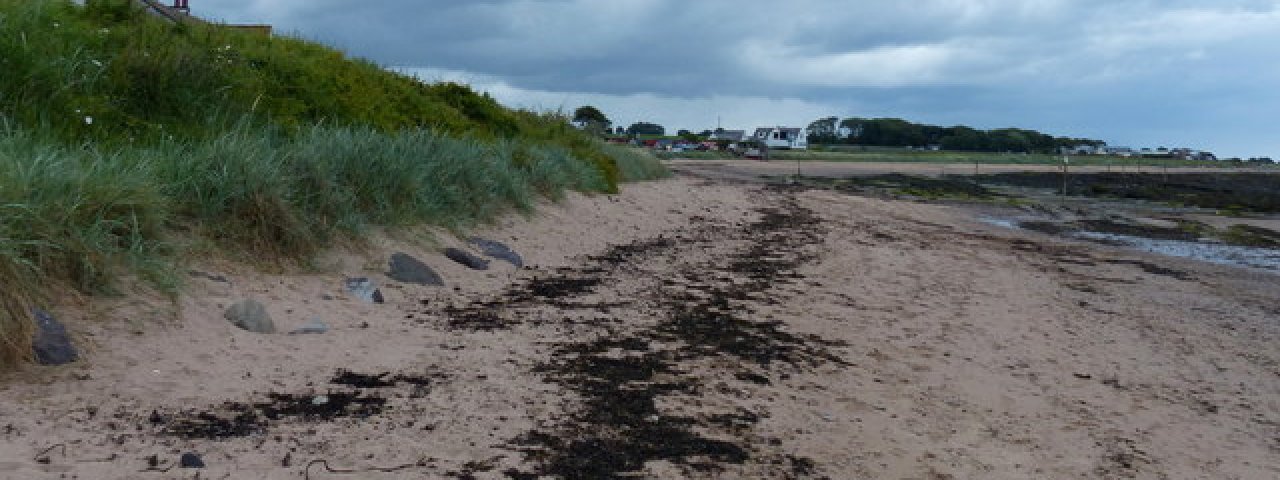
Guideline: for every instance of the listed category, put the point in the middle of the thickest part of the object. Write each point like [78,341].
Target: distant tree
[823,130]
[893,132]
[963,139]
[646,128]
[689,136]
[682,132]
[591,119]
[620,131]
[706,133]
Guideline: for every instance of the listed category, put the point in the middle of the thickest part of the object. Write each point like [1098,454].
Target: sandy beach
[697,327]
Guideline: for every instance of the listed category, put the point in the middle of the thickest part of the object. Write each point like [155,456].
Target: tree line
[894,132]
[591,119]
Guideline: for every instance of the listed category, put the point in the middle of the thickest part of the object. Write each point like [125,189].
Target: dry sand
[688,328]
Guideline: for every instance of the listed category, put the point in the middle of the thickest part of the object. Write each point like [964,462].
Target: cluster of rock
[52,344]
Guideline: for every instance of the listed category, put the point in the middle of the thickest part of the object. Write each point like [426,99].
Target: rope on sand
[306,473]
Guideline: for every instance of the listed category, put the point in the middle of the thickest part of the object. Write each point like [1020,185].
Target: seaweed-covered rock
[52,344]
[250,315]
[407,269]
[466,259]
[498,250]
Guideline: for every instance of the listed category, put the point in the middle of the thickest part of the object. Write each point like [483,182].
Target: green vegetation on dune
[125,139]
[138,77]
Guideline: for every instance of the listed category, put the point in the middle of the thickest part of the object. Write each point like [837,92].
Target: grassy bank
[125,141]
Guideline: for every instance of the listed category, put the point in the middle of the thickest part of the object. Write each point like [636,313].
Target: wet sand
[692,328]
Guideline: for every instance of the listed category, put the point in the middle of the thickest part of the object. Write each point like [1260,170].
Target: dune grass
[124,140]
[83,215]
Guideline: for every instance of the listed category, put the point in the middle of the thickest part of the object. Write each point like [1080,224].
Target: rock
[497,250]
[364,289]
[407,269]
[52,344]
[191,460]
[466,258]
[315,326]
[252,316]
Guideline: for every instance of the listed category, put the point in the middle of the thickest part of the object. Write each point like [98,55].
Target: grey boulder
[314,327]
[498,250]
[407,269]
[52,345]
[250,315]
[466,258]
[364,289]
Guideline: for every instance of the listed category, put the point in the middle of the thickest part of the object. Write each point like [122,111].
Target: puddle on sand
[999,222]
[1251,257]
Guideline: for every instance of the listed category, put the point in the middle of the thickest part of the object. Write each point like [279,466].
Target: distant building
[730,135]
[1083,149]
[179,11]
[1119,151]
[784,138]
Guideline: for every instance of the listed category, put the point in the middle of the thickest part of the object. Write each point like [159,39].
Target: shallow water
[999,222]
[1253,257]
[1250,257]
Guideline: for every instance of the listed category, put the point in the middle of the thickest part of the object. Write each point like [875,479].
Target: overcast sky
[1140,73]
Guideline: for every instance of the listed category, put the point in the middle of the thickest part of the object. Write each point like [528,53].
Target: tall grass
[84,215]
[635,164]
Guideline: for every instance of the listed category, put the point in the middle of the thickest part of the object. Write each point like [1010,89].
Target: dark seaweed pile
[947,187]
[620,377]
[239,419]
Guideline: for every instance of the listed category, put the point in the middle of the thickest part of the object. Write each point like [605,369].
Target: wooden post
[1065,162]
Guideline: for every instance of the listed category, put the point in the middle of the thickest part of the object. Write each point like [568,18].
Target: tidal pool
[1250,257]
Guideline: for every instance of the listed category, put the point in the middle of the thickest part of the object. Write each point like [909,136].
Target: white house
[730,135]
[783,138]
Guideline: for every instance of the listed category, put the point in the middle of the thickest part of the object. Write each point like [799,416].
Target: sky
[1140,73]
